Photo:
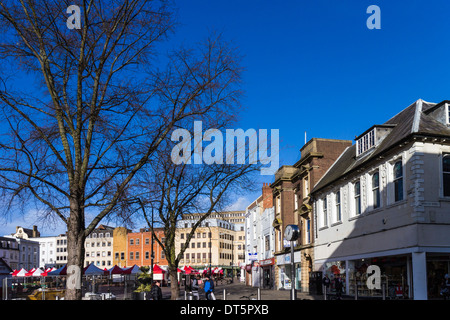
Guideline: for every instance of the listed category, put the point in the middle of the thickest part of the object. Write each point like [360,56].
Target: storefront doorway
[437,267]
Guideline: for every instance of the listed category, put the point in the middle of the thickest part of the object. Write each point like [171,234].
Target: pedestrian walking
[156,292]
[338,285]
[209,288]
[326,284]
[195,287]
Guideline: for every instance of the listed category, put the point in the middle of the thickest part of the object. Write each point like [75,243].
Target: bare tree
[178,190]
[98,108]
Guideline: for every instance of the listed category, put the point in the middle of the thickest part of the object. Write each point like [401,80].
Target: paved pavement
[239,291]
[233,291]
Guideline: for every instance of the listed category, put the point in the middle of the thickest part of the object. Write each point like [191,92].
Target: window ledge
[398,203]
[336,223]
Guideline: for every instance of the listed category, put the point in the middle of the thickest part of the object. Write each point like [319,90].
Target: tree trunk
[174,286]
[75,252]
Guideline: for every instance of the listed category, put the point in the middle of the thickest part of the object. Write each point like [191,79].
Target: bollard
[356,290]
[324,292]
[259,293]
[224,294]
[383,290]
[185,297]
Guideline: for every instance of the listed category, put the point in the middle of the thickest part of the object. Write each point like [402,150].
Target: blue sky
[314,66]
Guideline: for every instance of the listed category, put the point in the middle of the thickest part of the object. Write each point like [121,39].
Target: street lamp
[210,247]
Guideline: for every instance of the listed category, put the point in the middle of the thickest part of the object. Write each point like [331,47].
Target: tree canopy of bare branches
[99,106]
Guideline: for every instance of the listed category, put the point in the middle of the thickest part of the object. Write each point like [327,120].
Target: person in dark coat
[338,285]
[156,292]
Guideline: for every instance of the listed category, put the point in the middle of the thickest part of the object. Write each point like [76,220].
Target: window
[446,174]
[366,142]
[398,181]
[376,190]
[357,196]
[338,206]
[295,202]
[308,231]
[448,113]
[325,211]
[305,187]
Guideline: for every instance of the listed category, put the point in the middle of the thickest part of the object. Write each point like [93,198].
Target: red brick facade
[139,246]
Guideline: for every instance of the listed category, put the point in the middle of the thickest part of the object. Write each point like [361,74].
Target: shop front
[390,277]
[367,277]
[284,266]
[438,266]
[268,273]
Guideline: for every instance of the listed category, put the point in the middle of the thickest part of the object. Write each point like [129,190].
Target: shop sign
[287,258]
[252,256]
[267,262]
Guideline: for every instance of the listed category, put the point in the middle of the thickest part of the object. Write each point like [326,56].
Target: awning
[46,272]
[35,273]
[21,273]
[114,270]
[132,270]
[190,270]
[59,272]
[157,269]
[93,270]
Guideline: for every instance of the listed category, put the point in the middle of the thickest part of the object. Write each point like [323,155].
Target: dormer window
[447,113]
[372,138]
[365,143]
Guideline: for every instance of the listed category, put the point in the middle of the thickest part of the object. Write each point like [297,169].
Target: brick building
[140,248]
[291,198]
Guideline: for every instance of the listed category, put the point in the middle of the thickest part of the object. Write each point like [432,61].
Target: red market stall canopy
[157,269]
[132,270]
[114,270]
[35,273]
[190,270]
[20,273]
[46,272]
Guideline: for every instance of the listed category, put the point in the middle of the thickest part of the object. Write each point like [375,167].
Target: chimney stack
[267,196]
